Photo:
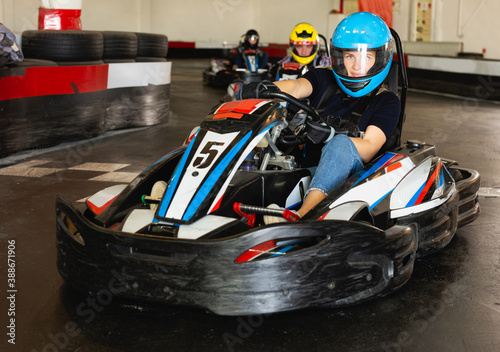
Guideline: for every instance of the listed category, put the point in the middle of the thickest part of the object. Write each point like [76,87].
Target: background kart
[220,72]
[201,241]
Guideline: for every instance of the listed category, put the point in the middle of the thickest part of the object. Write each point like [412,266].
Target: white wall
[19,15]
[212,22]
[475,23]
[115,15]
[225,20]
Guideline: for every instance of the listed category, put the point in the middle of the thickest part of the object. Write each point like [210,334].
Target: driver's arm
[371,142]
[298,88]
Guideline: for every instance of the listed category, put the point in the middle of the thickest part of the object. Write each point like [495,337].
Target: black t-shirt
[382,111]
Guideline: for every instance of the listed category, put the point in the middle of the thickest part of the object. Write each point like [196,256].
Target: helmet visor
[253,38]
[304,48]
[359,61]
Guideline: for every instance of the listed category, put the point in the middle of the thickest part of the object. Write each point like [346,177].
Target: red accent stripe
[274,52]
[324,215]
[188,45]
[291,65]
[217,205]
[429,184]
[98,210]
[40,81]
[243,106]
[256,251]
[392,160]
[393,167]
[231,115]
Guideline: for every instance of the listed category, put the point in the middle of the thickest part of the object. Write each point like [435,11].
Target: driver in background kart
[361,53]
[304,46]
[250,41]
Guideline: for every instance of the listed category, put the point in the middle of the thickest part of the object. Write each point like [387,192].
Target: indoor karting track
[451,303]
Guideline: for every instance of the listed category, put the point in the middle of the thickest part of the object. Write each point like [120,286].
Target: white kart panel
[137,219]
[101,199]
[376,189]
[423,206]
[410,185]
[248,149]
[345,211]
[297,194]
[194,174]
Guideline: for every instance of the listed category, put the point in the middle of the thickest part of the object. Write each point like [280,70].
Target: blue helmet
[361,53]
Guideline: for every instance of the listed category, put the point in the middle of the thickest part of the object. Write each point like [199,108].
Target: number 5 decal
[207,155]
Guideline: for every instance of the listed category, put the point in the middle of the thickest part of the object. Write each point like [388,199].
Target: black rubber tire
[150,59]
[19,68]
[118,61]
[80,63]
[456,174]
[119,45]
[152,45]
[34,63]
[57,46]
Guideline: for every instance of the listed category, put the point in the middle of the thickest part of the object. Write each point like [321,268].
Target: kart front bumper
[346,263]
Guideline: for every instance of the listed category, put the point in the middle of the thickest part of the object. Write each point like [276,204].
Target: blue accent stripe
[441,179]
[294,205]
[416,195]
[267,128]
[174,181]
[282,251]
[378,201]
[250,68]
[213,178]
[375,167]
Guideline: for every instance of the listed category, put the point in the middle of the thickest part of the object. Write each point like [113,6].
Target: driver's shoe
[270,219]
[158,191]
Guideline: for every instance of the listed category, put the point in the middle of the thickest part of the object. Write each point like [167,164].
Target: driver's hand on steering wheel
[318,131]
[254,89]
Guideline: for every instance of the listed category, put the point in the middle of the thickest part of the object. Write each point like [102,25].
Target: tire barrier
[63,45]
[151,47]
[48,98]
[119,47]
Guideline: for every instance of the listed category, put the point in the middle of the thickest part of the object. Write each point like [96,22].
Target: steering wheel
[294,101]
[292,140]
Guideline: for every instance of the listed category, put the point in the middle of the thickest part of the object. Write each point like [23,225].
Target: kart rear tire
[456,174]
[467,183]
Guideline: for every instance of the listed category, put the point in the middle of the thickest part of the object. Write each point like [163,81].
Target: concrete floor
[451,303]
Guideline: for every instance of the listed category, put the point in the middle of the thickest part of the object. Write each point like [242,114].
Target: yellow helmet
[304,43]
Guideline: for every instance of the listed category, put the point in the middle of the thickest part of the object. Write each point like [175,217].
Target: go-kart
[202,242]
[190,229]
[221,74]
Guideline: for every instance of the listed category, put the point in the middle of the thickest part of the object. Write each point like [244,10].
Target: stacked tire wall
[76,85]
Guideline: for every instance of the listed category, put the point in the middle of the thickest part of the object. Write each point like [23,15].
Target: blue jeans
[339,160]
